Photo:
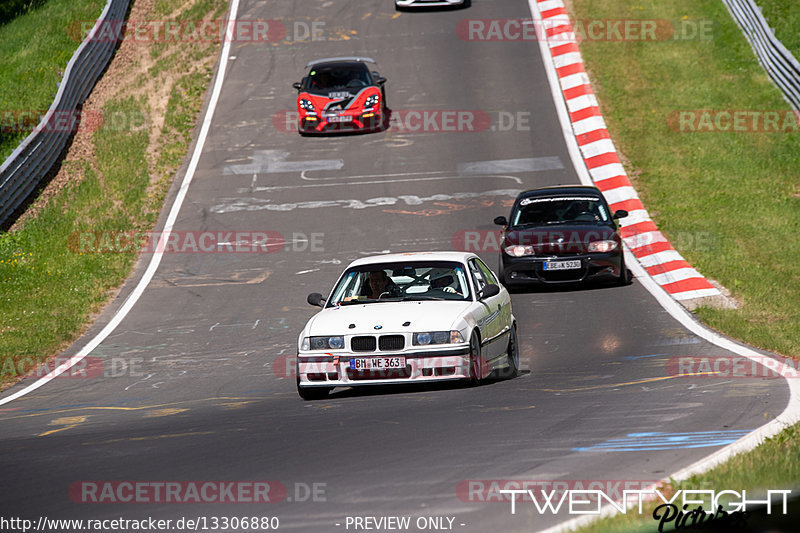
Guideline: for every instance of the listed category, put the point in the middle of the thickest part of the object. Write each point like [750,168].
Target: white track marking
[173,215]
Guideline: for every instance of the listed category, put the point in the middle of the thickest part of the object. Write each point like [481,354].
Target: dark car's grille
[363,344]
[392,342]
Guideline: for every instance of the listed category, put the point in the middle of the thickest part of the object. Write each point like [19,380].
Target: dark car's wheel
[624,277]
[512,287]
[475,377]
[512,355]
[313,393]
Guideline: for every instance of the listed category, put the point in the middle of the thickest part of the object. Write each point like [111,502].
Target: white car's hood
[390,316]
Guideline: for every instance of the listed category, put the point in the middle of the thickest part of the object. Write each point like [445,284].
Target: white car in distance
[410,4]
[408,318]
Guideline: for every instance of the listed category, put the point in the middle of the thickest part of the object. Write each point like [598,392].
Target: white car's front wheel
[311,393]
[475,371]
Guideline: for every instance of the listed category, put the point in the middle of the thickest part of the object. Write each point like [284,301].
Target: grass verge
[114,179]
[726,193]
[35,48]
[783,16]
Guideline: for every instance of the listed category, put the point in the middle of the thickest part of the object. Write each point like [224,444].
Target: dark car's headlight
[322,343]
[518,250]
[307,106]
[437,337]
[602,246]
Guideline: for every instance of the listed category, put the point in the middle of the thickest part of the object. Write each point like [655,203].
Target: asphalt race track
[194,385]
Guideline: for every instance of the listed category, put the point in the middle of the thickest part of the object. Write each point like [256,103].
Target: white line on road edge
[173,215]
[789,416]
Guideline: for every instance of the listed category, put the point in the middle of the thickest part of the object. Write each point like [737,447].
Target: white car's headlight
[518,250]
[602,246]
[322,343]
[437,337]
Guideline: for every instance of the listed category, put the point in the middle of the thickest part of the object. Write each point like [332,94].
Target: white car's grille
[391,342]
[369,343]
[363,344]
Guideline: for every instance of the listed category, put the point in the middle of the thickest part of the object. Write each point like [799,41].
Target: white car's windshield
[416,280]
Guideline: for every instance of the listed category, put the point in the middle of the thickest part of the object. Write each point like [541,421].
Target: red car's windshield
[329,78]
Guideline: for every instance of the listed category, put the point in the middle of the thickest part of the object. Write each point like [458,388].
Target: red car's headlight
[307,106]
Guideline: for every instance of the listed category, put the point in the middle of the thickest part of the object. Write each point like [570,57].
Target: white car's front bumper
[328,370]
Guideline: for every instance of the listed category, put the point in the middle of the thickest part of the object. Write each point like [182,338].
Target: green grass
[784,17]
[730,200]
[35,48]
[48,288]
[738,187]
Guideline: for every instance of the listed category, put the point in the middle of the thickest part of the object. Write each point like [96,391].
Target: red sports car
[340,94]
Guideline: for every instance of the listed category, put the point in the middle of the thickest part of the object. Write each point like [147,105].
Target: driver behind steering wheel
[379,284]
[441,280]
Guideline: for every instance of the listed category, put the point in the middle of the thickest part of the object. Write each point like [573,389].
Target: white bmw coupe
[408,318]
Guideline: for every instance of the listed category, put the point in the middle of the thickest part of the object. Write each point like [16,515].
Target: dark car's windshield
[337,77]
[415,280]
[560,210]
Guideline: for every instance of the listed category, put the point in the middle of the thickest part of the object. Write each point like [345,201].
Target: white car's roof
[462,257]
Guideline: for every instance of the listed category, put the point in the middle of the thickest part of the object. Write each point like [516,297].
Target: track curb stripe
[601,158]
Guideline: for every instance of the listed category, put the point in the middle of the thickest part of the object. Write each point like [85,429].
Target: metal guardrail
[779,62]
[27,166]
